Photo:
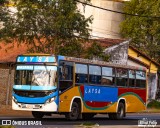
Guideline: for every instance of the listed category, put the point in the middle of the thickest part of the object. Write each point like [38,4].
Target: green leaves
[95,51]
[144,28]
[49,26]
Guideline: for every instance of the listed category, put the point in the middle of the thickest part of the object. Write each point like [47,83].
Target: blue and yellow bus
[78,88]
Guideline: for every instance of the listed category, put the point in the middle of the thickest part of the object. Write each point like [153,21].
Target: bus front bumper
[47,107]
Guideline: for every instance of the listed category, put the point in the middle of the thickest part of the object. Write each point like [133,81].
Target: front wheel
[75,112]
[37,115]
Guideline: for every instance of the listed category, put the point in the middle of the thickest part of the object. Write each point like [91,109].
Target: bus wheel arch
[75,109]
[120,111]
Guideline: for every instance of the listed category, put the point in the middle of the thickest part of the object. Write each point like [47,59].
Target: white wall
[105,23]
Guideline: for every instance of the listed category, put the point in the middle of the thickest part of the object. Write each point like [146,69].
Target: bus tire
[120,113]
[75,112]
[37,115]
[87,116]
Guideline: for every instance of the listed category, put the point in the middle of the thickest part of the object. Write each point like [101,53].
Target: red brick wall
[6,82]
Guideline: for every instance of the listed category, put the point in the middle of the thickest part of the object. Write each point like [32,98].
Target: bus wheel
[75,112]
[120,113]
[37,115]
[87,116]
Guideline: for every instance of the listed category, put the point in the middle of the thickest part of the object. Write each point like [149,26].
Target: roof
[108,42]
[9,52]
[102,63]
[144,55]
[138,61]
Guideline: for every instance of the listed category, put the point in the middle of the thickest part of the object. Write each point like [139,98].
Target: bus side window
[94,74]
[81,73]
[66,75]
[108,76]
[140,79]
[122,77]
[132,77]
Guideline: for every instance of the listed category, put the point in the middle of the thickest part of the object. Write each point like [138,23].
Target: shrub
[154,104]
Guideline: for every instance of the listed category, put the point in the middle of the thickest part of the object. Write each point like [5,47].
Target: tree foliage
[96,51]
[3,10]
[49,26]
[144,29]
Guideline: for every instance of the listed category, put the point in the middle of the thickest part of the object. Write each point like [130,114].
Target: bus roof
[87,61]
[102,63]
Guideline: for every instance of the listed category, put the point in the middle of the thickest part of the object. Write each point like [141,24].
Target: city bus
[77,88]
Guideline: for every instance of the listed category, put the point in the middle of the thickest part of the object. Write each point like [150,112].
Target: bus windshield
[35,75]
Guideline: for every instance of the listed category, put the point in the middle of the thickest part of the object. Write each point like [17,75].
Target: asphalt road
[57,121]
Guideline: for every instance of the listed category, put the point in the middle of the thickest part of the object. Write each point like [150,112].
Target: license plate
[29,106]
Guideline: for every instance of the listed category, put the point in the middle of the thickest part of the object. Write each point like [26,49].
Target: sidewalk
[6,110]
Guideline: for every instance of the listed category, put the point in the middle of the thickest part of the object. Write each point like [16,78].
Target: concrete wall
[118,53]
[105,23]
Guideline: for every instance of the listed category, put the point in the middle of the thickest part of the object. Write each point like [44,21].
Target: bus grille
[31,94]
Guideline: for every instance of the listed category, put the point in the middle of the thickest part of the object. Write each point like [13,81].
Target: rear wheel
[120,113]
[38,115]
[75,112]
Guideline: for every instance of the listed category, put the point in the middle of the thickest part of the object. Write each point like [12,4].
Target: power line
[84,3]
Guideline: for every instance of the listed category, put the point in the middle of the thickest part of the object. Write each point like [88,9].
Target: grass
[153,105]
[7,126]
[89,125]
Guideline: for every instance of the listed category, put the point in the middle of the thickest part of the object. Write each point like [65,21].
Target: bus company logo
[147,123]
[6,122]
[92,91]
[24,122]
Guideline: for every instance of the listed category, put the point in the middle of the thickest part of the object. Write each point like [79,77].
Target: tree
[3,11]
[49,26]
[96,51]
[144,29]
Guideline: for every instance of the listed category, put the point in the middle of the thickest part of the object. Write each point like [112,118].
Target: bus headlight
[14,99]
[50,100]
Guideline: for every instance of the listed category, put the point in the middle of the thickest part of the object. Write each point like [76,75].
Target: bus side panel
[135,98]
[105,101]
[66,99]
[99,99]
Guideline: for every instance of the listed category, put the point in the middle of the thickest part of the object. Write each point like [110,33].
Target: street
[100,120]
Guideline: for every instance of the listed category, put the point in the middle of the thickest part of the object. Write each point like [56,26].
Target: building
[8,55]
[136,57]
[123,53]
[105,23]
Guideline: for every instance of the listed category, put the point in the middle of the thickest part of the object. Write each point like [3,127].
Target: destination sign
[36,59]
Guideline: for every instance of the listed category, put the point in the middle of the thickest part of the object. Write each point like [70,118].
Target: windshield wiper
[49,73]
